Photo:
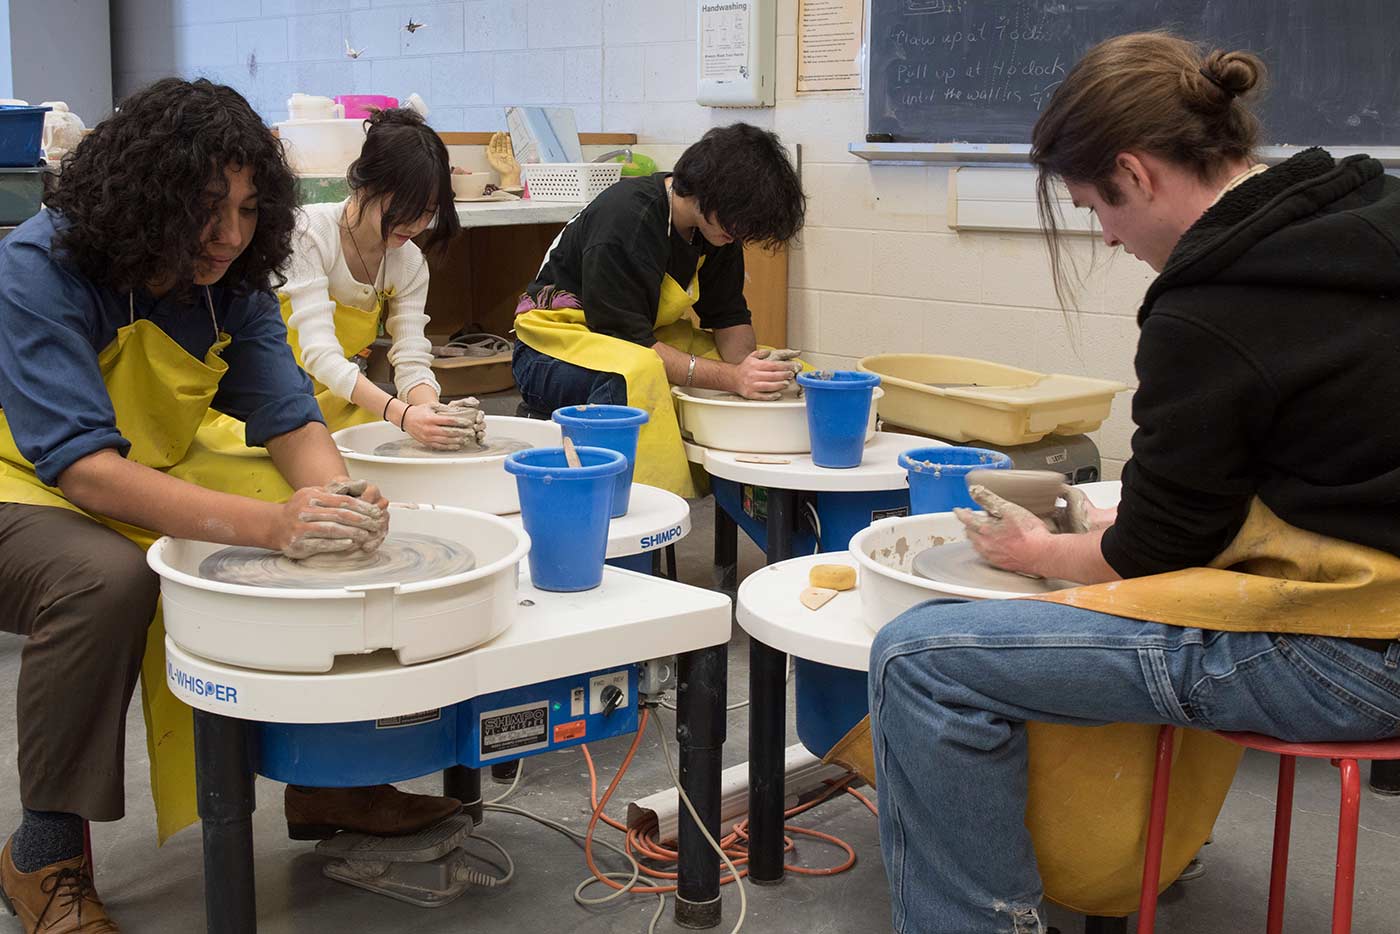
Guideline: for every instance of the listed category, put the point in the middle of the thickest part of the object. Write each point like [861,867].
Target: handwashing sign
[724,40]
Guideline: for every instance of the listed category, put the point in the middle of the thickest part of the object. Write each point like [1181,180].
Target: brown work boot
[378,810]
[58,899]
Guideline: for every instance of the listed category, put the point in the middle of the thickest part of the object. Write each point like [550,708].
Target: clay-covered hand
[1005,535]
[467,412]
[441,428]
[333,518]
[786,355]
[1075,515]
[762,379]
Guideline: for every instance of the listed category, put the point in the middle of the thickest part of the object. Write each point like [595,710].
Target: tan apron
[1090,787]
[160,395]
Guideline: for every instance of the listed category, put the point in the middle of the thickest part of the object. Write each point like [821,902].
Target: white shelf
[1018,154]
[524,211]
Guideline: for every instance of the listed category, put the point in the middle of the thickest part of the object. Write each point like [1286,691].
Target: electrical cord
[738,705]
[519,771]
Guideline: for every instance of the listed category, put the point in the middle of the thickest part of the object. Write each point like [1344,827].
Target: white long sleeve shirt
[318,277]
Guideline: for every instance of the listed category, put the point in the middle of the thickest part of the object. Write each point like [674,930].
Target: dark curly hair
[135,191]
[403,159]
[742,176]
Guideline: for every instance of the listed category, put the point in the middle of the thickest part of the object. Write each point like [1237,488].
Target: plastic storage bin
[21,134]
[965,399]
[570,181]
[357,106]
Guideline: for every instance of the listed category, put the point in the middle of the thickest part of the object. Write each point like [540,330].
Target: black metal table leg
[702,677]
[505,771]
[464,783]
[1097,925]
[223,774]
[726,551]
[768,718]
[672,572]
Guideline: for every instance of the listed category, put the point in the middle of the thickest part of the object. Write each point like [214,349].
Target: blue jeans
[547,383]
[953,683]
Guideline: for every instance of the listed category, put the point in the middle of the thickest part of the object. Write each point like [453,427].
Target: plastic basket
[21,133]
[570,181]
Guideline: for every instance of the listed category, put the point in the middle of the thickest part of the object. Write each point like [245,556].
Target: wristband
[404,416]
[690,373]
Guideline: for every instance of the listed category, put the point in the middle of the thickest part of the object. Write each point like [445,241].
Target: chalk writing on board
[982,70]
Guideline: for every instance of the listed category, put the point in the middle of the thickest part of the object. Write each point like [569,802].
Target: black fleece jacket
[1269,365]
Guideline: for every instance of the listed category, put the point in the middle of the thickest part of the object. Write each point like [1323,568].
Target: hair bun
[394,116]
[1235,73]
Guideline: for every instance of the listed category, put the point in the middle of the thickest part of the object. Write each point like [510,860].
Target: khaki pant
[84,597]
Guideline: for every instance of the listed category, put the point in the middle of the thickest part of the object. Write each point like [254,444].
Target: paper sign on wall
[829,38]
[724,40]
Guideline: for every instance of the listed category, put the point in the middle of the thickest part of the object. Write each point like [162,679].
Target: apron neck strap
[208,301]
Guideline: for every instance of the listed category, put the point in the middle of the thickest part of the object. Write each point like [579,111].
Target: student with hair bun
[1249,577]
[355,270]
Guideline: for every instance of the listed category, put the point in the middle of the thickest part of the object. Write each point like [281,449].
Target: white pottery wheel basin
[885,553]
[717,420]
[479,483]
[303,630]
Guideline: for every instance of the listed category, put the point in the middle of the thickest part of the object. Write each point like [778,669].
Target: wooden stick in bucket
[570,454]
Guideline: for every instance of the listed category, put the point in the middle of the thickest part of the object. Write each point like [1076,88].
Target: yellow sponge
[833,576]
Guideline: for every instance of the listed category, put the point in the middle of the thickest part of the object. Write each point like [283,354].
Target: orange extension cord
[644,845]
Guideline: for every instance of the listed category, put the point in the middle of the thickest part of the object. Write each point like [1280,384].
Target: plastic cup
[614,427]
[566,513]
[938,476]
[838,414]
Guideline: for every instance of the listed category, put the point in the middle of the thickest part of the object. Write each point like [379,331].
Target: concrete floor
[159,890]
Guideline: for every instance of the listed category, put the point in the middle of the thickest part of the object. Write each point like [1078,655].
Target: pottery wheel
[401,559]
[408,447]
[958,563]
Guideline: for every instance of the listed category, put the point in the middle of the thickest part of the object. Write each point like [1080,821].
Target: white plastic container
[569,181]
[313,107]
[282,629]
[467,482]
[717,420]
[322,147]
[885,552]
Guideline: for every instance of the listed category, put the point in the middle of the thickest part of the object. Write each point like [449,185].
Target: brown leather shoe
[379,810]
[58,899]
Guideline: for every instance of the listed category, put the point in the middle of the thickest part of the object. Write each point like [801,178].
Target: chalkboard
[980,71]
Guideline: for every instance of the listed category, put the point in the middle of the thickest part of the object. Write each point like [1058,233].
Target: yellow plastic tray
[964,399]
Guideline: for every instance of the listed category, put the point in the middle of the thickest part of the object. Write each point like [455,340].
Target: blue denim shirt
[54,322]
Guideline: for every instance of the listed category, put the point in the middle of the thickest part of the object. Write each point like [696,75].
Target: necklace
[384,261]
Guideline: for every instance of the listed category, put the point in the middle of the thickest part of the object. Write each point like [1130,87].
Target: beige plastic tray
[964,399]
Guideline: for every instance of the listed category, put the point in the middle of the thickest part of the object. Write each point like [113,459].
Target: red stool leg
[1345,886]
[1283,827]
[1156,830]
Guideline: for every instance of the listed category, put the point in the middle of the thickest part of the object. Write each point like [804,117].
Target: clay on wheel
[958,563]
[1034,490]
[401,559]
[408,447]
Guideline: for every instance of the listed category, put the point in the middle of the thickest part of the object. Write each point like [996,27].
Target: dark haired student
[355,267]
[603,321]
[131,306]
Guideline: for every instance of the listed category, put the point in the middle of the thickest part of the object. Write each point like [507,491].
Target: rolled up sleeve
[264,387]
[51,387]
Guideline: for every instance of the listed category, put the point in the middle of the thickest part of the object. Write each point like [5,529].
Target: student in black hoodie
[1248,580]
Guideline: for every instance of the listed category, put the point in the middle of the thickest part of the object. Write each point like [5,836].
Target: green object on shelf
[640,165]
[318,189]
[21,194]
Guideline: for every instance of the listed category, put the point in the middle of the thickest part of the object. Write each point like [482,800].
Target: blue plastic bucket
[21,132]
[614,427]
[838,414]
[938,476]
[566,512]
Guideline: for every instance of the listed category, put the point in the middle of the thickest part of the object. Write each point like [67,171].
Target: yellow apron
[220,450]
[563,333]
[1090,787]
[160,395]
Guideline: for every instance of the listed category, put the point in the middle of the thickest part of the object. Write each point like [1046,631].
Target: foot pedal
[424,868]
[430,884]
[424,846]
